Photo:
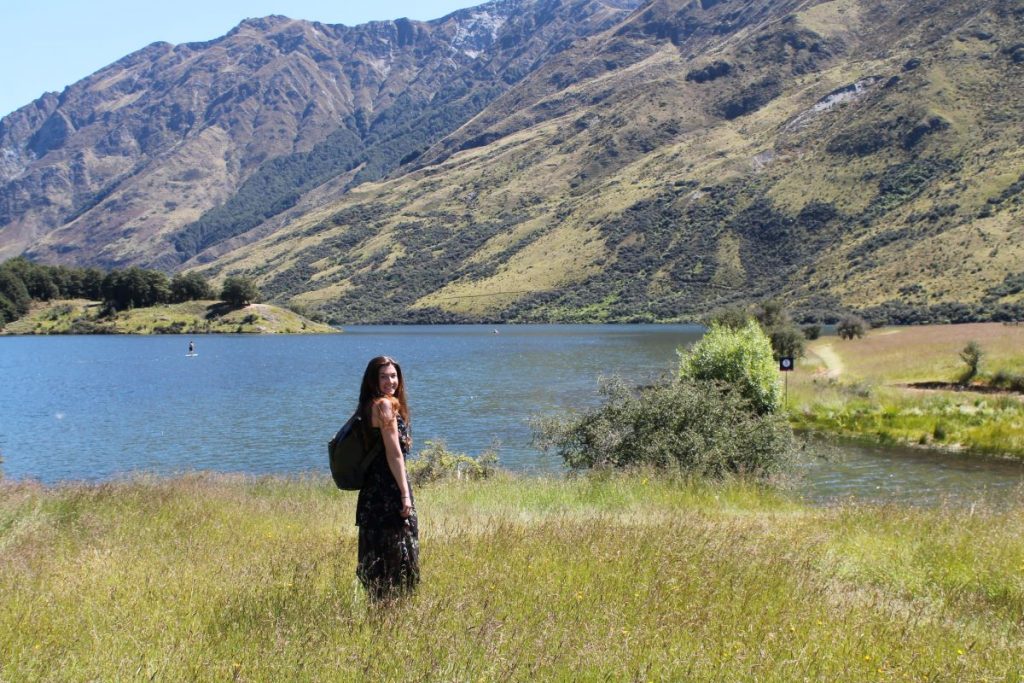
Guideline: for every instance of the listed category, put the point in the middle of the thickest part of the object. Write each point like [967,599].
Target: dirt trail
[833,363]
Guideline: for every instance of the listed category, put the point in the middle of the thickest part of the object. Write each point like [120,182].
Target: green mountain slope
[845,154]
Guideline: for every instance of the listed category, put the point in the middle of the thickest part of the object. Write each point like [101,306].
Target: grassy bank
[624,578]
[862,388]
[80,316]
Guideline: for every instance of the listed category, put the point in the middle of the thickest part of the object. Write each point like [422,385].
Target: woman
[385,513]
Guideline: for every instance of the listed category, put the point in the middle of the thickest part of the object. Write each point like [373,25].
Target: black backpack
[350,453]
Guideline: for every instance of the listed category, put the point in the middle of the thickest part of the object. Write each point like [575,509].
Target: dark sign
[786,363]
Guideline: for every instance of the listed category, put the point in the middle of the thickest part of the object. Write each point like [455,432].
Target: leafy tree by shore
[719,416]
[190,287]
[742,358]
[239,291]
[702,428]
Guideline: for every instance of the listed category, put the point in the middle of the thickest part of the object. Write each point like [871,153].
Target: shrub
[436,463]
[851,326]
[701,428]
[1007,379]
[811,332]
[971,355]
[742,358]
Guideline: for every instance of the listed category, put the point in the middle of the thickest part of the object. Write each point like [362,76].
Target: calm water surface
[96,408]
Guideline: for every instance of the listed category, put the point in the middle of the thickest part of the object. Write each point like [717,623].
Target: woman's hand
[406,507]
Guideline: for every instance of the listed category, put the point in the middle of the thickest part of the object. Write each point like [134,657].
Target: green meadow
[602,577]
[866,388]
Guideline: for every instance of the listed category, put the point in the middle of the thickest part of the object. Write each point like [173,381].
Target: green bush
[740,357]
[700,428]
[851,326]
[437,463]
[1007,379]
[971,356]
[787,340]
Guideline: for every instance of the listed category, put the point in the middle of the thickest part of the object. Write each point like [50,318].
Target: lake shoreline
[82,317]
[872,388]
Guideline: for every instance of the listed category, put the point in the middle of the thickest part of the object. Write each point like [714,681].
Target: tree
[788,340]
[190,287]
[239,291]
[13,289]
[135,288]
[771,314]
[8,313]
[741,358]
[734,317]
[851,326]
[971,355]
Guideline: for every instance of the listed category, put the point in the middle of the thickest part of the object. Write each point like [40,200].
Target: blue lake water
[100,407]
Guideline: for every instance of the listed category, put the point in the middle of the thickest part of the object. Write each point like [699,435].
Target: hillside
[80,316]
[644,165]
[175,149]
[838,155]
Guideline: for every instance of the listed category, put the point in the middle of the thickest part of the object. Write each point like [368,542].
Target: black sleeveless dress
[389,547]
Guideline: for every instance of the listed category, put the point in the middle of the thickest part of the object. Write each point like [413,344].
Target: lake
[94,408]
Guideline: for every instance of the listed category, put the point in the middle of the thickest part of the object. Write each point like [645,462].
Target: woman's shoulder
[384,409]
[387,403]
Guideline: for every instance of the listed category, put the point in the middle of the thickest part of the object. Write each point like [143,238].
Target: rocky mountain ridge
[124,166]
[618,161]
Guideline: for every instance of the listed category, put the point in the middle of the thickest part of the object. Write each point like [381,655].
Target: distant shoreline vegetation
[24,284]
[41,299]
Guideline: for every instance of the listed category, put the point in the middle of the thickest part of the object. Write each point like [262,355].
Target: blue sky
[46,45]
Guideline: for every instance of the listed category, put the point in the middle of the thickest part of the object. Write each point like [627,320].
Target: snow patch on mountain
[477,32]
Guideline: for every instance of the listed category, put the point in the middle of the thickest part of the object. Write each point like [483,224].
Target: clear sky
[46,45]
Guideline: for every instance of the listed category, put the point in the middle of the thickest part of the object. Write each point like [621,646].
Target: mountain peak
[539,159]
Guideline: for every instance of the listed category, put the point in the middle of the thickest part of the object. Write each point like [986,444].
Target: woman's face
[387,380]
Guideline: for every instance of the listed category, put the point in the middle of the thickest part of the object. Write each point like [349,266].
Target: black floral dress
[389,547]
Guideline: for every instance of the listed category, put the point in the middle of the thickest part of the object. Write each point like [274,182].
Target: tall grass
[607,577]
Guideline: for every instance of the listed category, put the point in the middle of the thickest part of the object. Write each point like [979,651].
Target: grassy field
[860,387]
[631,577]
[80,316]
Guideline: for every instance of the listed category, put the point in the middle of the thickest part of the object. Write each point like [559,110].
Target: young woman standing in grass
[385,513]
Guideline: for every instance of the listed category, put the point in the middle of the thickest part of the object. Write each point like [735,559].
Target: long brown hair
[369,390]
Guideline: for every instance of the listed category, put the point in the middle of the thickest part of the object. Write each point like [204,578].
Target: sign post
[786,367]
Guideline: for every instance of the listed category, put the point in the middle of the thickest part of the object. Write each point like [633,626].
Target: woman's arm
[384,417]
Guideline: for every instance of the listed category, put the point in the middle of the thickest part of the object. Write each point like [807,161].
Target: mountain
[578,161]
[175,149]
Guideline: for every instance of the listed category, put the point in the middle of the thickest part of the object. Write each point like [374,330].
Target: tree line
[22,282]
